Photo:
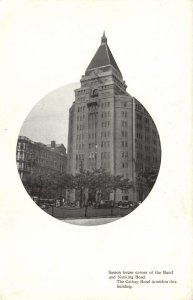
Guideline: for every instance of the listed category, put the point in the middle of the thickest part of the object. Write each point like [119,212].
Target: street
[90,221]
[90,212]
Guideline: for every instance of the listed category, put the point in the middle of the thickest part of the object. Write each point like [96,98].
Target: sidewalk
[89,221]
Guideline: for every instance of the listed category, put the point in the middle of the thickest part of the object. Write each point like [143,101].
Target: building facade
[108,128]
[32,156]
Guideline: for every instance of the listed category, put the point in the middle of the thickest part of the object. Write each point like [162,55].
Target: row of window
[139,146]
[146,157]
[20,155]
[139,118]
[105,134]
[124,144]
[92,125]
[81,108]
[92,136]
[92,145]
[92,117]
[139,126]
[93,108]
[124,154]
[80,118]
[105,124]
[124,114]
[105,144]
[105,114]
[80,127]
[79,146]
[92,155]
[105,104]
[22,146]
[80,136]
[81,99]
[124,123]
[124,133]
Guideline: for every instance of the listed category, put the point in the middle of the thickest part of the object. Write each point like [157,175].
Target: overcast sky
[48,120]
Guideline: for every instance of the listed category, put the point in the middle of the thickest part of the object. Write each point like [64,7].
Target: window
[139,117]
[95,93]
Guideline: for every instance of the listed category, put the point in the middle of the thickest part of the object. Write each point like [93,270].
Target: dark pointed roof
[103,57]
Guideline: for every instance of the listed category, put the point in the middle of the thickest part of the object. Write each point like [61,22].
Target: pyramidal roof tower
[103,57]
[107,126]
[104,71]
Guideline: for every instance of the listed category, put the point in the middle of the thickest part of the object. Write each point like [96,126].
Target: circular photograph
[89,153]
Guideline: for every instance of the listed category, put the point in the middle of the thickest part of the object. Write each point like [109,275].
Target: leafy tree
[146,180]
[81,184]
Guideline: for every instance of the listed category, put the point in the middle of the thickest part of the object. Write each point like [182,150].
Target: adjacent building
[110,129]
[33,156]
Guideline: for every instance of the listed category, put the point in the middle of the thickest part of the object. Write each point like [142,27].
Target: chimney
[53,144]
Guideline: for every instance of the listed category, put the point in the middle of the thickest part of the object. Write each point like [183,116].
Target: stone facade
[109,128]
[32,156]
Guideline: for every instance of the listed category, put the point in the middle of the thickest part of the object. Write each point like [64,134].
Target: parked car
[123,204]
[104,204]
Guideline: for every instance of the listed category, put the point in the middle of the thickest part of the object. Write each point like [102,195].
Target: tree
[146,180]
[99,183]
[119,183]
[81,184]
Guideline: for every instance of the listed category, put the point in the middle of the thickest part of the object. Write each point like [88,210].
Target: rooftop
[103,57]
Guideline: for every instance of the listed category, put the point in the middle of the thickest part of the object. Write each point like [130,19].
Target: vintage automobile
[104,204]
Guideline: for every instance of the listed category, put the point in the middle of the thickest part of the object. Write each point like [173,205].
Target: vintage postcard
[96,150]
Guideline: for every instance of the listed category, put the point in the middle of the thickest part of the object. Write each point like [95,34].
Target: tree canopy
[53,185]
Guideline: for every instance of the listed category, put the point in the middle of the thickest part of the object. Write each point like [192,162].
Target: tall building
[108,128]
[32,156]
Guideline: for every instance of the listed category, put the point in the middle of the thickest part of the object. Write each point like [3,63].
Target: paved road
[75,213]
[90,221]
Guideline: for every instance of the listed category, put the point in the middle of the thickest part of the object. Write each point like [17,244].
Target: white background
[45,45]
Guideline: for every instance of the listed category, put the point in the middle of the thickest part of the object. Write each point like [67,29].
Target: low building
[33,156]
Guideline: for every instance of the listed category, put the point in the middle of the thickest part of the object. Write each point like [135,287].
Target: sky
[50,44]
[48,119]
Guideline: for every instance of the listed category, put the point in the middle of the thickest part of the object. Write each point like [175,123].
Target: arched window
[95,93]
